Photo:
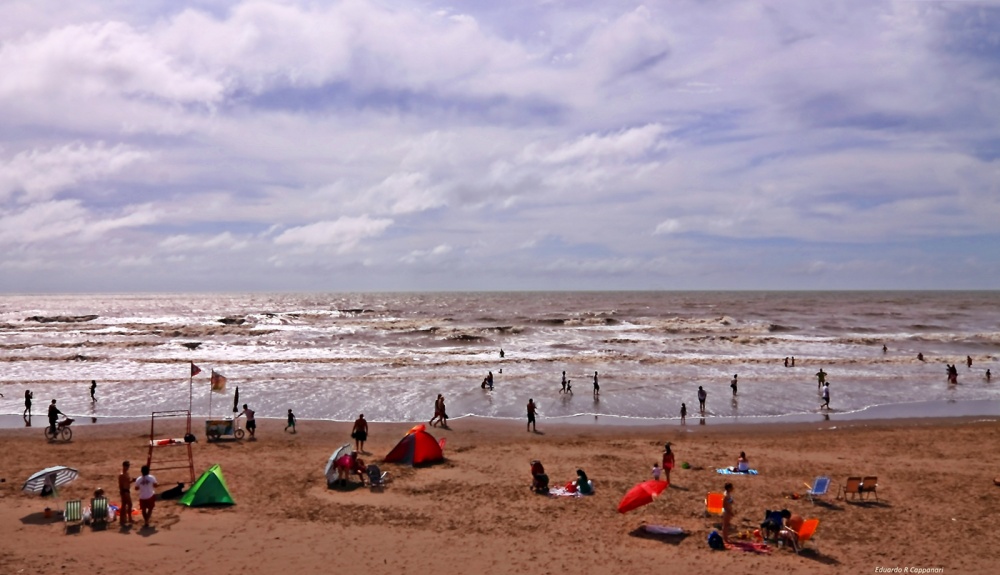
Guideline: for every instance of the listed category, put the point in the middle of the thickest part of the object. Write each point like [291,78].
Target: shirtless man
[124,483]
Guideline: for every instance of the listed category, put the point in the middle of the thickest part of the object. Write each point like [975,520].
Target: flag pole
[191,388]
[210,396]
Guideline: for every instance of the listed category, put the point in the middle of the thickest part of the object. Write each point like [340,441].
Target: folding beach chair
[819,488]
[73,513]
[99,512]
[714,503]
[376,477]
[806,532]
[869,485]
[851,487]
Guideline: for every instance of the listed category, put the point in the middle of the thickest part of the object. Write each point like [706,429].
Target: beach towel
[727,471]
[664,530]
[749,547]
[563,492]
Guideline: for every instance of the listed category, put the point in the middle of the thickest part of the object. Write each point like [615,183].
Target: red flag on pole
[218,382]
[195,370]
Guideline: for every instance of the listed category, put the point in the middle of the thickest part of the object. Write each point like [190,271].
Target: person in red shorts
[146,486]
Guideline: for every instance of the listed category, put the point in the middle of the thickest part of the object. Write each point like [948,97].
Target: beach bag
[715,541]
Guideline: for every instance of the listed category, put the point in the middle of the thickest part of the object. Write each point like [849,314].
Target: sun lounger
[376,477]
[851,487]
[74,513]
[820,487]
[713,503]
[869,485]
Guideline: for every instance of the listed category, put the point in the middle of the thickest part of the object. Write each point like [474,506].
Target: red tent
[418,447]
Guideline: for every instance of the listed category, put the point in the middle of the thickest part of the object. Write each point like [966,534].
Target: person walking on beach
[27,403]
[146,486]
[563,390]
[668,461]
[733,384]
[702,396]
[360,433]
[291,420]
[821,378]
[93,391]
[531,415]
[437,412]
[826,396]
[569,386]
[597,386]
[251,422]
[124,483]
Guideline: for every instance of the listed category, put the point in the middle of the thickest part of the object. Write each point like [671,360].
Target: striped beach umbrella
[52,477]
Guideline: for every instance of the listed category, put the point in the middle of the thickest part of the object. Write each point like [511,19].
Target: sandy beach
[475,513]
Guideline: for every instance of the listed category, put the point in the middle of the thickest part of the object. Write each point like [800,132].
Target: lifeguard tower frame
[185,442]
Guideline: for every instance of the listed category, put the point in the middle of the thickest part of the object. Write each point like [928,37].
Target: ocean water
[333,356]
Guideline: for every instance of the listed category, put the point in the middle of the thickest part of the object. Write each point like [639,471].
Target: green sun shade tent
[210,489]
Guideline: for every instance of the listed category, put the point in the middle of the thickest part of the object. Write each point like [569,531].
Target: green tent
[210,489]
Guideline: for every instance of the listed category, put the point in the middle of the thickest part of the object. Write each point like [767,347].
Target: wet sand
[474,513]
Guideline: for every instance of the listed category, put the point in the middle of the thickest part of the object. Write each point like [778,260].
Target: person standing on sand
[93,391]
[291,420]
[146,486]
[684,413]
[360,433]
[531,415]
[733,384]
[668,461]
[826,396]
[727,511]
[251,422]
[597,386]
[27,403]
[702,396]
[124,482]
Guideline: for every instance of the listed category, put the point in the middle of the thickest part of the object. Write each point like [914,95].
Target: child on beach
[656,471]
[668,461]
[291,420]
[826,396]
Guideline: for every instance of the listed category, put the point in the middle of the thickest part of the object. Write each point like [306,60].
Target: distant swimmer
[733,383]
[793,361]
[826,396]
[988,376]
[597,386]
[920,357]
[821,376]
[501,353]
[884,348]
[968,361]
[786,362]
[563,390]
[702,396]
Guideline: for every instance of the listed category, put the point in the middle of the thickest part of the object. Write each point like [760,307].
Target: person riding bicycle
[54,414]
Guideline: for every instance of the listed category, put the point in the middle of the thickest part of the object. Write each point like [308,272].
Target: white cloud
[38,174]
[343,234]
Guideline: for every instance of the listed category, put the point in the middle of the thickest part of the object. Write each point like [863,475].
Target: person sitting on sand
[790,532]
[742,465]
[539,480]
[583,484]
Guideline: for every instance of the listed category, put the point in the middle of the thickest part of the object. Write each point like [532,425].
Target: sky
[173,146]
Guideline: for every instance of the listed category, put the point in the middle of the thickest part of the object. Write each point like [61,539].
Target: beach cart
[215,429]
